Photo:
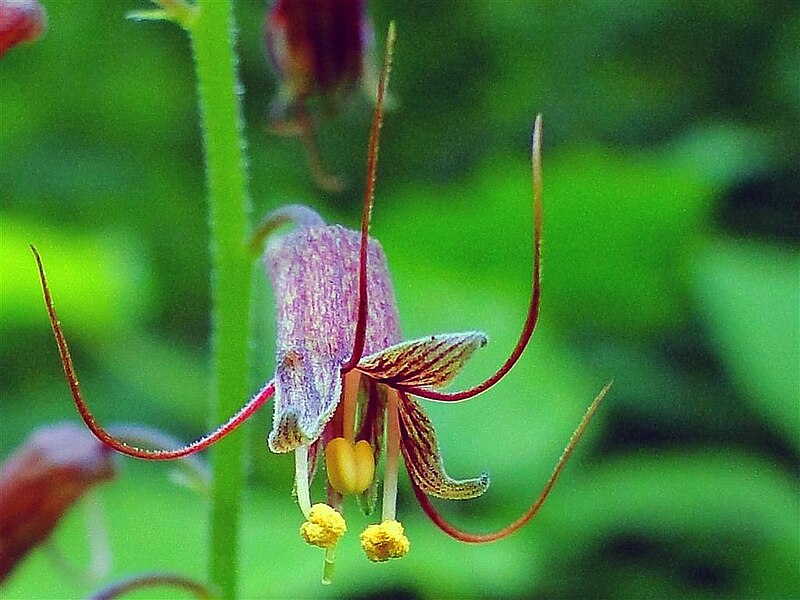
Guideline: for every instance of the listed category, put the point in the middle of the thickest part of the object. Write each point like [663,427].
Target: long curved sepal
[104,436]
[478,538]
[369,196]
[533,306]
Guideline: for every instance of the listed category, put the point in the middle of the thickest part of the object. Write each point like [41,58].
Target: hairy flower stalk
[346,384]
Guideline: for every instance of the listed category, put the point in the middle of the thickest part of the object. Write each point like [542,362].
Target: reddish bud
[317,47]
[21,21]
[55,466]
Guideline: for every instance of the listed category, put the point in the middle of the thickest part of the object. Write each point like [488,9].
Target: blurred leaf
[619,233]
[736,511]
[750,296]
[98,281]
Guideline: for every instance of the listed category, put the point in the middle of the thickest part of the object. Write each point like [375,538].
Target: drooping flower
[346,385]
[320,52]
[55,467]
[21,21]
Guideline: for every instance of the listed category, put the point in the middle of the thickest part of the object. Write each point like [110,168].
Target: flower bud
[317,49]
[20,21]
[55,466]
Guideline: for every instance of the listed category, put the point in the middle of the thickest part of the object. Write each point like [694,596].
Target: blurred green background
[671,265]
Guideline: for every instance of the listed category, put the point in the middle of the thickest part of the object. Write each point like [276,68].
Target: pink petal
[314,273]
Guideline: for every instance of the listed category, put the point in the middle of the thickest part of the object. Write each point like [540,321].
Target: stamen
[369,194]
[324,527]
[392,452]
[385,541]
[301,479]
[104,436]
[327,566]
[533,307]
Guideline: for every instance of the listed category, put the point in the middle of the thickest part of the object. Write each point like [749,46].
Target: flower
[55,467]
[320,51]
[21,21]
[345,380]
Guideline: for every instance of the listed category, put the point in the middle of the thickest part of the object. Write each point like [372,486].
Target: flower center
[350,466]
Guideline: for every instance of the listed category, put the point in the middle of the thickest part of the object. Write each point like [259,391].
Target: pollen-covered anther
[324,527]
[351,467]
[384,541]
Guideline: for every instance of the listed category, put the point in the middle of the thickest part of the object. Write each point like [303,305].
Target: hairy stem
[212,35]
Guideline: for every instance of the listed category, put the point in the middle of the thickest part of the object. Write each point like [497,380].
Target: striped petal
[424,459]
[430,361]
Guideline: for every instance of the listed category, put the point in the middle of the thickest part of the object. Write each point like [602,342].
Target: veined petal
[307,390]
[424,460]
[430,361]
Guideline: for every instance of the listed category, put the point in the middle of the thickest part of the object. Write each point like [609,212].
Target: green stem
[212,37]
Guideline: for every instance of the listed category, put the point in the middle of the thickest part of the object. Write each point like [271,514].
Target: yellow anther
[324,528]
[351,467]
[384,541]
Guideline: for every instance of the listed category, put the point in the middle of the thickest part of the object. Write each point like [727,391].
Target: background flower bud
[55,466]
[20,21]
[317,48]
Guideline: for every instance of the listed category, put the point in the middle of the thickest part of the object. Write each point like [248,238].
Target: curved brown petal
[431,361]
[424,460]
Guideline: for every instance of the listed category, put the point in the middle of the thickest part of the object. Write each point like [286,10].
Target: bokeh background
[671,265]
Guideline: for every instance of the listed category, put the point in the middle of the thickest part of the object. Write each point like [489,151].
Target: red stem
[150,580]
[104,436]
[533,307]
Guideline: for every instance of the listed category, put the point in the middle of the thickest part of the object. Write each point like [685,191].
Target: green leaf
[750,296]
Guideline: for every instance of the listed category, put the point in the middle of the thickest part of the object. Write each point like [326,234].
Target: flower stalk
[212,35]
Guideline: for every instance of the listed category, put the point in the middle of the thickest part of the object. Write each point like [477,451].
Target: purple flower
[51,471]
[21,21]
[346,385]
